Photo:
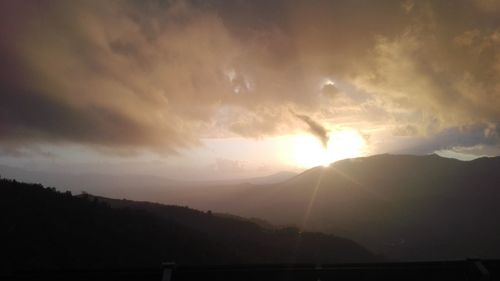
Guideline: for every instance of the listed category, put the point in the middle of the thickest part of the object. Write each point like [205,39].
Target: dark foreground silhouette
[43,229]
[442,271]
[49,235]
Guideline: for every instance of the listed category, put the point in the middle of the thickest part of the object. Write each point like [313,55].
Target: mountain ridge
[398,205]
[42,228]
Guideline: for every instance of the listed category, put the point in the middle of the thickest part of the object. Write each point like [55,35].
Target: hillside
[46,229]
[405,207]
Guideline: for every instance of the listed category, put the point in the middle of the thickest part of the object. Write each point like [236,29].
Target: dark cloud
[463,138]
[315,128]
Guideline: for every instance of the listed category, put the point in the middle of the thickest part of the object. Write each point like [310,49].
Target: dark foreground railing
[471,269]
[450,270]
[149,274]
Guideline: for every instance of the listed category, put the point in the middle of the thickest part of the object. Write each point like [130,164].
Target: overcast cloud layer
[160,75]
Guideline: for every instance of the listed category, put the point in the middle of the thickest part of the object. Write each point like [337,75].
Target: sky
[222,89]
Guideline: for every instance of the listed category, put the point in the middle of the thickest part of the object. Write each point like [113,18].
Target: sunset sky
[211,89]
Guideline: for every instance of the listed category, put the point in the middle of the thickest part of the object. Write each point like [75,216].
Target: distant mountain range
[137,187]
[42,228]
[402,206]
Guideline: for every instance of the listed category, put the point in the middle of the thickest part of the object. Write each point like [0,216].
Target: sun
[307,151]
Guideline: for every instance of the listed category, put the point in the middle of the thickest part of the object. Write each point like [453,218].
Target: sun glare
[307,151]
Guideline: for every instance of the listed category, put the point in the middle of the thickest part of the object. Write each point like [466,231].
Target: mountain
[402,206]
[42,228]
[270,179]
[137,187]
[122,186]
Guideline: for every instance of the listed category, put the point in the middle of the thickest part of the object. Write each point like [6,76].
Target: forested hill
[43,228]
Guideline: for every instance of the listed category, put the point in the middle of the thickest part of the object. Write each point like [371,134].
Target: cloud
[160,75]
[406,130]
[131,75]
[489,6]
[315,128]
[330,90]
[466,139]
[439,75]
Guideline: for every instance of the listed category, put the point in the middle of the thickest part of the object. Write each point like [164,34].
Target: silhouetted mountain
[407,207]
[43,228]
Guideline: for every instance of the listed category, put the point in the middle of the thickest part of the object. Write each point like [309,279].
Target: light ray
[313,198]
